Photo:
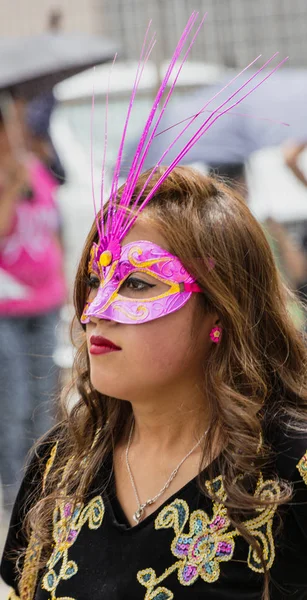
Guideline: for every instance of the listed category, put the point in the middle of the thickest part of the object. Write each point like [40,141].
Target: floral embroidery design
[210,540]
[302,467]
[67,524]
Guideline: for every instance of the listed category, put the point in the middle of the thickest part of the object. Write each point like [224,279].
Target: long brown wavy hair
[254,377]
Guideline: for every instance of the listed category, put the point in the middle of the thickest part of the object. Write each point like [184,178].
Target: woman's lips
[101,345]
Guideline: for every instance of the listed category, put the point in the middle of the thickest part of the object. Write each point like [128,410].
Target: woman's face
[154,357]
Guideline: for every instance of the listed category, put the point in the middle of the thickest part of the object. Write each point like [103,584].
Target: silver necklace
[139,513]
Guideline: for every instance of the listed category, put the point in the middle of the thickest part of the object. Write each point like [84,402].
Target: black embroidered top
[187,549]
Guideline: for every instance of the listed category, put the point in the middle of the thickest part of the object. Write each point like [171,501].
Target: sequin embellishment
[210,540]
[30,571]
[12,595]
[67,524]
[302,468]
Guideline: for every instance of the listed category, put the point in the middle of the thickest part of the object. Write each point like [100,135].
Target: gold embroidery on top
[29,576]
[12,595]
[30,570]
[210,540]
[67,524]
[302,467]
[49,464]
[261,526]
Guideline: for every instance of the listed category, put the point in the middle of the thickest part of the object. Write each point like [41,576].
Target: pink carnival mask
[112,299]
[113,263]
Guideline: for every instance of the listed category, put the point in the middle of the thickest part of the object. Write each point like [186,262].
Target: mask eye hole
[134,287]
[142,286]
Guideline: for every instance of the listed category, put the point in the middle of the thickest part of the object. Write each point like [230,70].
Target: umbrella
[257,123]
[32,65]
[284,99]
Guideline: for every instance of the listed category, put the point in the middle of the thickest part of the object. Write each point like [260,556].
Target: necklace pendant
[138,515]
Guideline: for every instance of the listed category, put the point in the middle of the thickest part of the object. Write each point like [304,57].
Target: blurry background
[235,32]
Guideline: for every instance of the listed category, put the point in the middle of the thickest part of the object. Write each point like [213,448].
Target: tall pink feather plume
[217,113]
[105,145]
[92,162]
[139,158]
[118,222]
[135,171]
[114,185]
[235,113]
[140,70]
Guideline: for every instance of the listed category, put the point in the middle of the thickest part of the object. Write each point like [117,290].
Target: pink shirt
[31,259]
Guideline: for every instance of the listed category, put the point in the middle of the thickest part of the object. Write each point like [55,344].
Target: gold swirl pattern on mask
[163,262]
[210,539]
[141,310]
[145,263]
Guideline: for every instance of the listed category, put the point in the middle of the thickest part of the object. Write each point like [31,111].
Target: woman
[162,395]
[181,471]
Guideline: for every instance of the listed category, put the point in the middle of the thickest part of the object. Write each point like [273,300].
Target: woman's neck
[169,422]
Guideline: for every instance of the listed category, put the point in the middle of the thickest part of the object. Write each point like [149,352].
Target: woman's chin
[110,388]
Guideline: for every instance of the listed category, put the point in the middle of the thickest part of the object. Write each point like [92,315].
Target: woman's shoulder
[289,454]
[44,454]
[40,462]
[289,450]
[36,473]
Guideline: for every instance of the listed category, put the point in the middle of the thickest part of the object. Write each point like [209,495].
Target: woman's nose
[97,320]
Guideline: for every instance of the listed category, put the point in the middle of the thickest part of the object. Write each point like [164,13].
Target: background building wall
[26,17]
[236,30]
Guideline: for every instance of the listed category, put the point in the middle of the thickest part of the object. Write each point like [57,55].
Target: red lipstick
[101,345]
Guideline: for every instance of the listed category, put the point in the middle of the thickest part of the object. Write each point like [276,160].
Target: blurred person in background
[38,117]
[292,153]
[32,290]
[289,256]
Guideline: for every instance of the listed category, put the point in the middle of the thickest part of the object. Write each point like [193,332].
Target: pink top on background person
[31,259]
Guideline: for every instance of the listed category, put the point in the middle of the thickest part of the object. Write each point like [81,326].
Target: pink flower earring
[216,334]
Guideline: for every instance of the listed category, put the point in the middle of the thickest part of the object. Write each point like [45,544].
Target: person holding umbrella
[32,285]
[292,153]
[38,116]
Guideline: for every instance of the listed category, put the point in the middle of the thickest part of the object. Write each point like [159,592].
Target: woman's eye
[93,282]
[132,283]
